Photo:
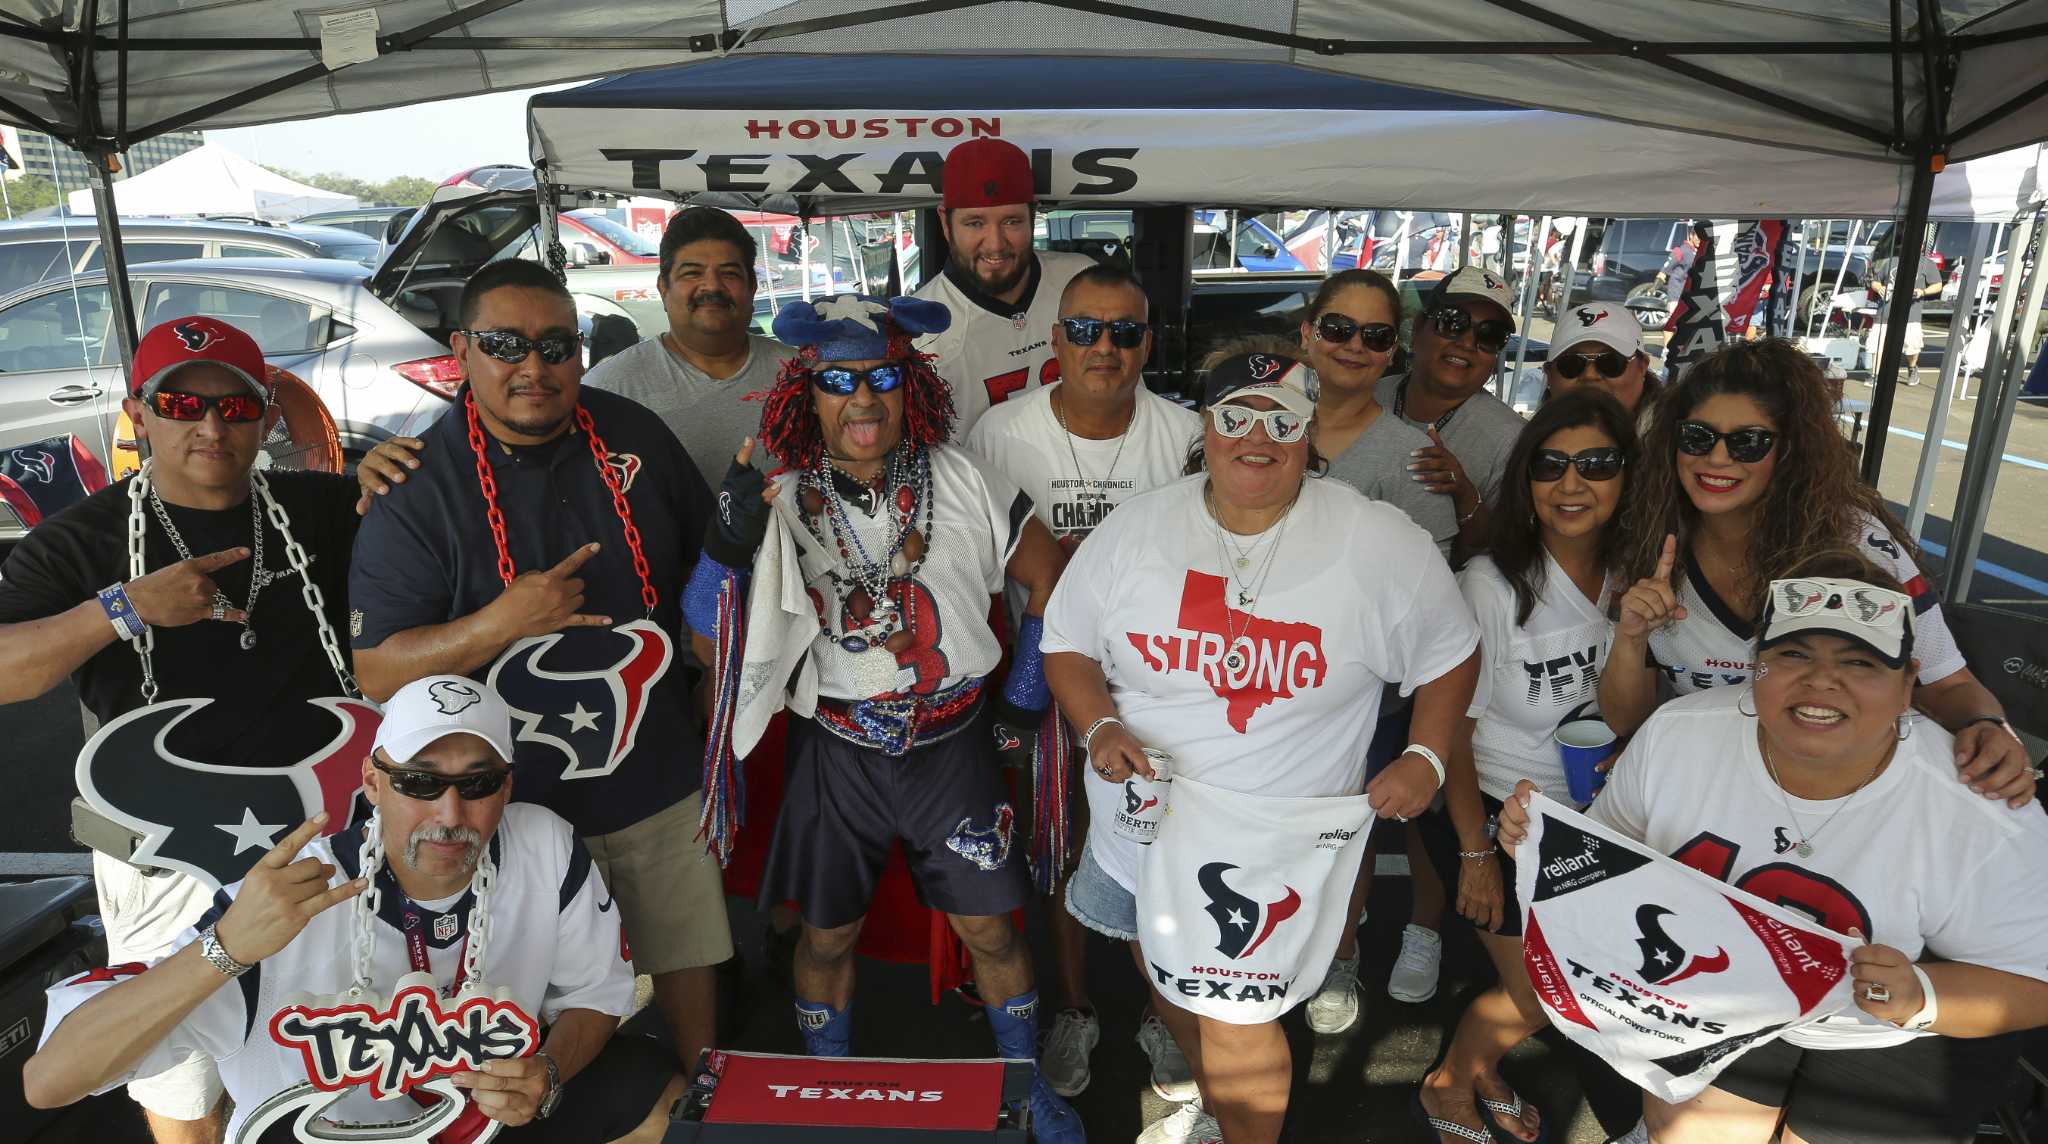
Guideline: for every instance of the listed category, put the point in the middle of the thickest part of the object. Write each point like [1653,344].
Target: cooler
[762,1098]
[48,931]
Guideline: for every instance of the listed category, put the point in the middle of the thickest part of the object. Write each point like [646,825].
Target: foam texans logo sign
[213,822]
[581,696]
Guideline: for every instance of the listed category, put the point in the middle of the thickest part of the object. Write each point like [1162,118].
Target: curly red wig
[789,419]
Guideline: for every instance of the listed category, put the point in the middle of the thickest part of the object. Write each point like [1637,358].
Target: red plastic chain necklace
[496,517]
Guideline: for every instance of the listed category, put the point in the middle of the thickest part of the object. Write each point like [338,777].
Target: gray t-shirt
[1480,433]
[707,415]
[1376,464]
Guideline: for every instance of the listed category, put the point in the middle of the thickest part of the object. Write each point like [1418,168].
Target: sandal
[1512,1111]
[1441,1126]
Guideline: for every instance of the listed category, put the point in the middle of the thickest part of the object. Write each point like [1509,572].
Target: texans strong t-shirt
[1150,598]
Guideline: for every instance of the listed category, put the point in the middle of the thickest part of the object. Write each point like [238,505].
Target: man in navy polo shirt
[546,554]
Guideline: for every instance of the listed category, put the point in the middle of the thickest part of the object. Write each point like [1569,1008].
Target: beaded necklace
[872,609]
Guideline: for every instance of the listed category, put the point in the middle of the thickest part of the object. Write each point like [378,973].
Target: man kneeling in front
[464,952]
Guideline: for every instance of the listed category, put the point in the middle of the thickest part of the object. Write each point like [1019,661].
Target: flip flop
[1439,1125]
[1512,1110]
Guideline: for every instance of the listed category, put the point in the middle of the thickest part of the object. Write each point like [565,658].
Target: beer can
[1144,801]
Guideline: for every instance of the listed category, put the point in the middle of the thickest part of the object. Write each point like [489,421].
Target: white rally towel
[1242,898]
[1661,971]
[781,623]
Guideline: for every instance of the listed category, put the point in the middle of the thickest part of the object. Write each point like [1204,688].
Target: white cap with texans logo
[427,709]
[1607,323]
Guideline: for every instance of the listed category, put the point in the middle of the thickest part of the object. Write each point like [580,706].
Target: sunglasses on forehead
[842,382]
[1490,335]
[1610,363]
[1337,329]
[1748,445]
[1124,333]
[1601,464]
[427,786]
[235,408]
[512,348]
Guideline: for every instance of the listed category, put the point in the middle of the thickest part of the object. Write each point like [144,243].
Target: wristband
[1998,719]
[121,613]
[1474,855]
[1435,764]
[1926,1016]
[700,595]
[210,949]
[1026,689]
[1088,736]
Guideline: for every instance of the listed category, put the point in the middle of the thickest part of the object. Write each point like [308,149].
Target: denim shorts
[1098,902]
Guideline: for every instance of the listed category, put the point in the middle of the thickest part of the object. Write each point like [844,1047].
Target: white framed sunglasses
[1235,421]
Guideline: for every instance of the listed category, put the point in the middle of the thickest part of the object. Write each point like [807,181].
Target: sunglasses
[1235,421]
[1610,363]
[1490,335]
[1124,334]
[1868,605]
[512,348]
[1601,464]
[427,786]
[235,408]
[842,382]
[1745,445]
[1337,329]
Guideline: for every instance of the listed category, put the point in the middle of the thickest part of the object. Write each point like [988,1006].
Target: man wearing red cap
[193,579]
[1004,296]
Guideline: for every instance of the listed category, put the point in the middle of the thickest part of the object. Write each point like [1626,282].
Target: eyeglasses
[235,408]
[427,786]
[1601,464]
[1234,421]
[1868,605]
[1124,334]
[842,382]
[1338,329]
[1745,445]
[512,348]
[1610,363]
[1490,335]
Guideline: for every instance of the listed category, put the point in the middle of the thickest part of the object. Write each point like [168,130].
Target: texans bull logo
[1242,925]
[580,696]
[1588,316]
[195,336]
[206,820]
[1665,962]
[1132,803]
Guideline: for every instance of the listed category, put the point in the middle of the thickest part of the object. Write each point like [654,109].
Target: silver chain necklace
[1123,438]
[259,576]
[364,944]
[1804,847]
[1234,660]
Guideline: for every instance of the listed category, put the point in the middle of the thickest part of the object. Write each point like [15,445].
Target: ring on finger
[1872,991]
[219,613]
[1103,771]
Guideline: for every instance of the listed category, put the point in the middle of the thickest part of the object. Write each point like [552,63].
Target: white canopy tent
[212,180]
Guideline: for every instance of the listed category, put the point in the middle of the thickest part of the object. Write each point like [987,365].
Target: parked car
[371,221]
[41,249]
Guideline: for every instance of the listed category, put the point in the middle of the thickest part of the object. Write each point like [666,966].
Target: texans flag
[1658,969]
[214,822]
[1242,898]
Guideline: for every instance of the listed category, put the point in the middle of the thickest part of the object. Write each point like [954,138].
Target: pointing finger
[280,855]
[1669,556]
[584,620]
[216,560]
[575,560]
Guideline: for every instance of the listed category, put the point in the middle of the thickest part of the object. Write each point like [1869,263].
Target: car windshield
[618,234]
[363,252]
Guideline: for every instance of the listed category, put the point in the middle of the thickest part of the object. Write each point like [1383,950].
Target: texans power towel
[1661,971]
[1241,898]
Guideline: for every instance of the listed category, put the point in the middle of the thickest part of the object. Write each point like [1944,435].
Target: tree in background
[403,191]
[31,192]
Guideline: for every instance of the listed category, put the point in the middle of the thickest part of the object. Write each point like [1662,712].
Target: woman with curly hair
[1745,475]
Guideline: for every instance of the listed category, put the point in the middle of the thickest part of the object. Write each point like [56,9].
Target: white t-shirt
[1532,676]
[977,518]
[1711,646]
[996,350]
[1915,860]
[1151,598]
[554,945]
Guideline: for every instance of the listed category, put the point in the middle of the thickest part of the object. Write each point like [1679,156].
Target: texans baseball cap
[173,345]
[1474,282]
[1611,326]
[1291,384]
[986,173]
[426,709]
[1876,618]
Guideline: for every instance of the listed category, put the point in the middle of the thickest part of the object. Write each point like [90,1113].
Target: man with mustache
[546,553]
[1003,295]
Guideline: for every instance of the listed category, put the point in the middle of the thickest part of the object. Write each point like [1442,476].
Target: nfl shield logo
[444,927]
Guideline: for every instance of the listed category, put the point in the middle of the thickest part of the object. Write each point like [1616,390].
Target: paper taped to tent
[212,180]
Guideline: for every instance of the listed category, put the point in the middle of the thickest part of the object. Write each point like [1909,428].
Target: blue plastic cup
[1582,744]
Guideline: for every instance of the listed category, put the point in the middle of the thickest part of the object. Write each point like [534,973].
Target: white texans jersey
[995,350]
[554,945]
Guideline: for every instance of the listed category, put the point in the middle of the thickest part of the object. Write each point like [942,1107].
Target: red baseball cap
[987,173]
[173,345]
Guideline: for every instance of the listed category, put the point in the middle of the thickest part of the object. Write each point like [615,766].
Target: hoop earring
[1748,692]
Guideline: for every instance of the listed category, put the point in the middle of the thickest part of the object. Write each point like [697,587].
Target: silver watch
[210,949]
[553,1095]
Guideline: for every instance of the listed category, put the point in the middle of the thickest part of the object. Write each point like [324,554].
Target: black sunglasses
[1601,464]
[512,348]
[1337,329]
[1745,445]
[235,408]
[427,786]
[1124,334]
[1490,335]
[1610,363]
[842,382]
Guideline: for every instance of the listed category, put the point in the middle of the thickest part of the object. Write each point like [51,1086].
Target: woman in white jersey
[1541,596]
[1744,474]
[1818,786]
[1223,620]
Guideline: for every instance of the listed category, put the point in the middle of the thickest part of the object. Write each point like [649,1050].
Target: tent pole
[1827,305]
[1951,363]
[1571,270]
[115,259]
[1912,234]
[1528,308]
[1791,310]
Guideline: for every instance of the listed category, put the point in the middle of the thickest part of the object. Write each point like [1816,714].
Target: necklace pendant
[1244,599]
[1244,562]
[1234,661]
[248,639]
[1805,849]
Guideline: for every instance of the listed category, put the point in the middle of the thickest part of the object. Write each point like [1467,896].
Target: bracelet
[1436,764]
[217,956]
[1927,1014]
[1088,736]
[1475,855]
[121,613]
[1998,719]
[1476,506]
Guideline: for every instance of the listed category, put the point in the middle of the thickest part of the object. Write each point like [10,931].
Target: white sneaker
[1172,1077]
[1334,1008]
[1640,1134]
[1063,1058]
[1188,1124]
[1414,976]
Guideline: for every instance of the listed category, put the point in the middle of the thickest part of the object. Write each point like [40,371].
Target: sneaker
[1640,1134]
[1414,976]
[1063,1058]
[1188,1124]
[1172,1078]
[1334,1008]
[1054,1121]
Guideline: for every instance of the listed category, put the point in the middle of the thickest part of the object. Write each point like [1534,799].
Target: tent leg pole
[1528,307]
[1951,363]
[1571,269]
[119,289]
[2018,244]
[1905,276]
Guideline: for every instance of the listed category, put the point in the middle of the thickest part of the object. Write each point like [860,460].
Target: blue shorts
[1389,740]
[1098,902]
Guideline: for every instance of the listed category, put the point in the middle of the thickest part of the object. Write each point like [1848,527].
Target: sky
[430,140]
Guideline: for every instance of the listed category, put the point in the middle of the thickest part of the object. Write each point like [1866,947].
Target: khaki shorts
[144,916]
[671,893]
[1916,340]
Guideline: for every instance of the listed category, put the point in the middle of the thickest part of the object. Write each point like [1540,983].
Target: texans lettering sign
[1702,973]
[580,696]
[209,821]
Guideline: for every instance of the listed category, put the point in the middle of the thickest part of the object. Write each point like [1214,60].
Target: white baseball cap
[1475,282]
[426,709]
[1604,322]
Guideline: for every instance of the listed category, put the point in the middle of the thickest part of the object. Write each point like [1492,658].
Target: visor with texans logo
[1877,618]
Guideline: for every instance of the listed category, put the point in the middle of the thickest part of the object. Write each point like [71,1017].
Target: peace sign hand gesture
[280,896]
